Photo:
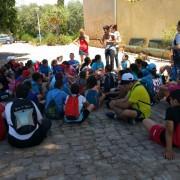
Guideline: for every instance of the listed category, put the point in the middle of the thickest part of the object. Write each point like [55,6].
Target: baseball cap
[151,67]
[9,58]
[127,78]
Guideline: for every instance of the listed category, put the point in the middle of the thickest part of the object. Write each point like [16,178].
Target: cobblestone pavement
[100,149]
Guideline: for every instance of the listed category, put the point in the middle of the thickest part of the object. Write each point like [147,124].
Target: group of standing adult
[110,41]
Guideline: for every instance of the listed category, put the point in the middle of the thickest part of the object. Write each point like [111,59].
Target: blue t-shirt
[145,72]
[36,88]
[97,65]
[59,97]
[151,83]
[33,97]
[124,65]
[57,69]
[64,88]
[45,70]
[73,62]
[92,97]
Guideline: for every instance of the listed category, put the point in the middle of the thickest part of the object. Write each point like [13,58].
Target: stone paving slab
[100,149]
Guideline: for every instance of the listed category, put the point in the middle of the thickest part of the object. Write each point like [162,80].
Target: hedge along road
[24,51]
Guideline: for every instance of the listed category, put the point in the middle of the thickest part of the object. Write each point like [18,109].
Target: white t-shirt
[81,100]
[117,37]
[12,131]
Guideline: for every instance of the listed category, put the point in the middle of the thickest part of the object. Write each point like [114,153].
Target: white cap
[127,77]
[9,58]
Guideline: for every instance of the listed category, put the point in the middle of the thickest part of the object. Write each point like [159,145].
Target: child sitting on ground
[92,94]
[125,63]
[98,64]
[168,135]
[76,109]
[81,81]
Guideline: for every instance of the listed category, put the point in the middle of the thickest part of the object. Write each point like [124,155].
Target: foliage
[27,20]
[7,16]
[53,19]
[57,22]
[168,35]
[60,2]
[52,39]
[26,37]
[63,39]
[76,20]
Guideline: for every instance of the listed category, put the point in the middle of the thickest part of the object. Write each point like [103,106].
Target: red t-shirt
[83,45]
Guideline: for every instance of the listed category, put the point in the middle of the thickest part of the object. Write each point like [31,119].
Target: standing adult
[83,42]
[176,52]
[114,30]
[108,41]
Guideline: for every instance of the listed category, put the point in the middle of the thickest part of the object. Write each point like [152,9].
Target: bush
[168,35]
[63,39]
[26,37]
[50,40]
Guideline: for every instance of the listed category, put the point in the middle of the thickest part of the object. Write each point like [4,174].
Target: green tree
[75,20]
[54,19]
[27,20]
[60,2]
[7,16]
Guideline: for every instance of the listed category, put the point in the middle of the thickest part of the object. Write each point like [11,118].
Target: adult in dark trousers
[109,42]
[176,52]
[117,35]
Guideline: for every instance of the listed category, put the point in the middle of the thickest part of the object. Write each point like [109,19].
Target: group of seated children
[33,94]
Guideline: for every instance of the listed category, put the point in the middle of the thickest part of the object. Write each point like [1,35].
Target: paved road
[27,51]
[100,149]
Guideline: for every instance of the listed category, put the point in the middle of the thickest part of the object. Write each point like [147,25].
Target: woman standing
[117,35]
[109,41]
[83,42]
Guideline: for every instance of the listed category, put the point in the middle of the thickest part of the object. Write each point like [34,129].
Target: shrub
[26,37]
[168,35]
[50,39]
[63,39]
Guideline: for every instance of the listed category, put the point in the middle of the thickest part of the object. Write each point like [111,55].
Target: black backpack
[52,111]
[109,82]
[23,116]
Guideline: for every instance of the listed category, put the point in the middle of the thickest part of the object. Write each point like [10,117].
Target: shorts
[82,117]
[82,53]
[157,134]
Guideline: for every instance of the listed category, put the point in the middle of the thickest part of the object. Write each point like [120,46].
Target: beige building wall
[98,13]
[146,18]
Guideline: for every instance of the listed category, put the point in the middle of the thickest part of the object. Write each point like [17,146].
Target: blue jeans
[177,71]
[110,56]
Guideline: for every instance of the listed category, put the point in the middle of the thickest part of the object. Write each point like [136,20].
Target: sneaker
[111,115]
[132,121]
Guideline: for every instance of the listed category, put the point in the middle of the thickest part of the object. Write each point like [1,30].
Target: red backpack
[176,136]
[2,124]
[72,107]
